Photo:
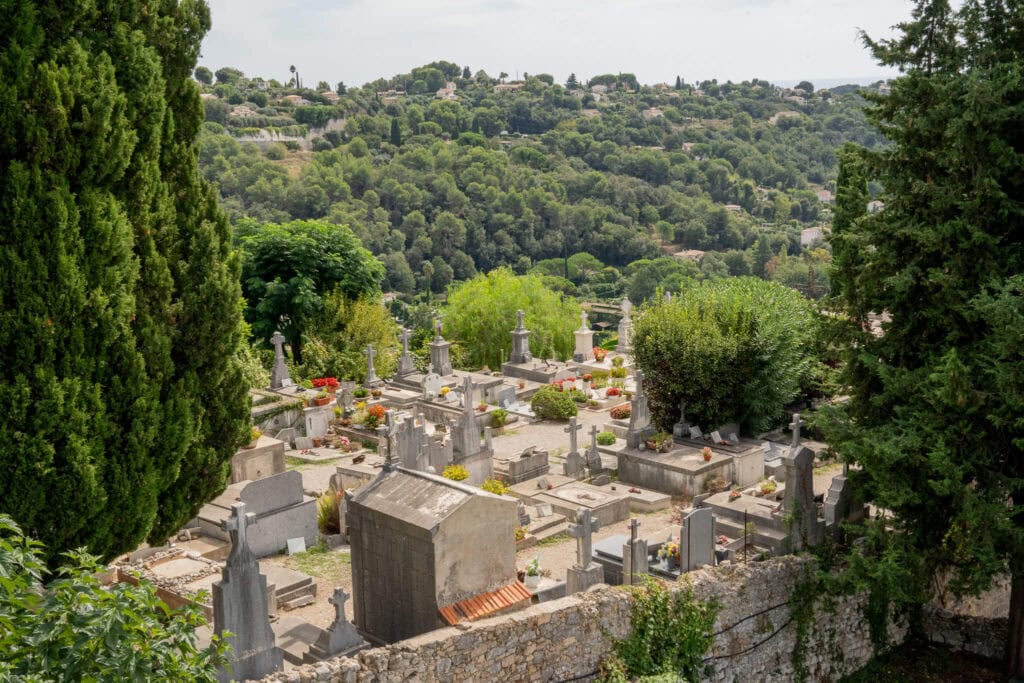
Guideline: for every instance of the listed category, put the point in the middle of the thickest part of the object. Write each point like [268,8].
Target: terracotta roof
[485,604]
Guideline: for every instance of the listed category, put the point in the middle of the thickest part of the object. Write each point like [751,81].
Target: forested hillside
[443,174]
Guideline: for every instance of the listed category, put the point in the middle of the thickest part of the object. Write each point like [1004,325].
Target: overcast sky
[357,41]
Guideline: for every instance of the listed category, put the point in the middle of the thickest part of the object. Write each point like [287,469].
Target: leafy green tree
[571,83]
[203,75]
[340,88]
[481,314]
[466,73]
[934,417]
[72,628]
[733,350]
[228,74]
[289,269]
[121,382]
[336,340]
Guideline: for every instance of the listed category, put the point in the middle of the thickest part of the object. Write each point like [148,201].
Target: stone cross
[795,426]
[571,431]
[385,432]
[278,341]
[279,375]
[634,524]
[583,320]
[236,526]
[519,320]
[639,379]
[627,306]
[583,531]
[339,599]
[371,373]
[437,327]
[404,338]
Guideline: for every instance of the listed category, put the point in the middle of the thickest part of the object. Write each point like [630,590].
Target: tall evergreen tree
[679,83]
[934,419]
[396,133]
[121,398]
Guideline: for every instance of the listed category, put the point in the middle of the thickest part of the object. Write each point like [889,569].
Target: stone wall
[566,639]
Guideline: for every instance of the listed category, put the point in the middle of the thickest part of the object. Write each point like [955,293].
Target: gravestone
[635,560]
[798,503]
[240,606]
[432,384]
[586,572]
[467,449]
[839,506]
[716,438]
[440,353]
[574,462]
[372,381]
[584,341]
[520,342]
[697,540]
[682,428]
[639,418]
[625,342]
[405,361]
[594,463]
[340,638]
[279,374]
[696,434]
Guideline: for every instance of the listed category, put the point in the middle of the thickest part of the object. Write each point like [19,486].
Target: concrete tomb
[240,606]
[405,361]
[263,460]
[467,449]
[520,342]
[440,353]
[584,341]
[640,426]
[279,374]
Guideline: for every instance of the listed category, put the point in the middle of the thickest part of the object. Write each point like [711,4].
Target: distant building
[825,196]
[809,236]
[207,96]
[689,255]
[429,552]
[774,120]
[599,89]
[508,87]
[294,99]
[590,113]
[448,92]
[330,96]
[242,110]
[883,88]
[652,113]
[736,208]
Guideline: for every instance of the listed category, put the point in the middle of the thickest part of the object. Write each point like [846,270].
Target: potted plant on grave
[600,354]
[482,407]
[374,416]
[375,393]
[533,573]
[360,393]
[522,384]
[768,487]
[499,418]
[669,552]
[706,453]
[254,436]
[621,412]
[660,441]
[322,398]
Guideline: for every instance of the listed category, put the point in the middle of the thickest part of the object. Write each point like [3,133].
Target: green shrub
[498,418]
[619,372]
[606,438]
[551,404]
[327,514]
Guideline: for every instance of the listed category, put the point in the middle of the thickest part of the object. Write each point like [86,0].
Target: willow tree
[934,417]
[121,398]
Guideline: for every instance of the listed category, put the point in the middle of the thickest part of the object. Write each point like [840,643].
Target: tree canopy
[288,270]
[732,350]
[481,315]
[934,417]
[121,387]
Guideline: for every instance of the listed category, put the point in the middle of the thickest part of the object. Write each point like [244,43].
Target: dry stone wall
[565,640]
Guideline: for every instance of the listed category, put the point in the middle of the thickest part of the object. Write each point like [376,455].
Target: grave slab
[294,637]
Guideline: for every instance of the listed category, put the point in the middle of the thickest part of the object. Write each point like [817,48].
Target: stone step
[560,528]
[543,523]
[291,596]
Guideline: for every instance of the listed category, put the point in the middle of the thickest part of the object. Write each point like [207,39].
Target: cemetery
[438,500]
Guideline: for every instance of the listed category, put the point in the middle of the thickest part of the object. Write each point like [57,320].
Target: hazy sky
[360,40]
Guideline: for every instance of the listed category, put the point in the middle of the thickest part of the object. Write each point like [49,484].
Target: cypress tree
[934,418]
[121,398]
[396,133]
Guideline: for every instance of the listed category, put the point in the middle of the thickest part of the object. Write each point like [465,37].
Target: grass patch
[292,463]
[553,540]
[320,562]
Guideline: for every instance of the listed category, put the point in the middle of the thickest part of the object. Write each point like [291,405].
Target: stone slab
[273,493]
[294,637]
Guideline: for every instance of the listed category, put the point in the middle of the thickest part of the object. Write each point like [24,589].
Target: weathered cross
[634,524]
[236,526]
[795,426]
[583,531]
[404,338]
[385,432]
[437,326]
[519,320]
[593,438]
[339,599]
[278,341]
[571,431]
[639,379]
[583,320]
[627,306]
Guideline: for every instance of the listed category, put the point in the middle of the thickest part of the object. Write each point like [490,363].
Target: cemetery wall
[566,639]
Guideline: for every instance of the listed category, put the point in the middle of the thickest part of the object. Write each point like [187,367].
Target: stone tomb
[697,540]
[529,464]
[263,460]
[280,506]
[567,496]
[748,456]
[682,471]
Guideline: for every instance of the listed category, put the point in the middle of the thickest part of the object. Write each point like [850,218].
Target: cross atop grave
[593,437]
[571,431]
[279,375]
[795,426]
[339,599]
[437,328]
[627,306]
[385,432]
[519,320]
[371,373]
[583,531]
[403,337]
[236,526]
[634,525]
[639,379]
[583,321]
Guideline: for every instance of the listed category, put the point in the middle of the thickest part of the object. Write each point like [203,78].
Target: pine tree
[466,73]
[571,83]
[121,393]
[679,83]
[934,418]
